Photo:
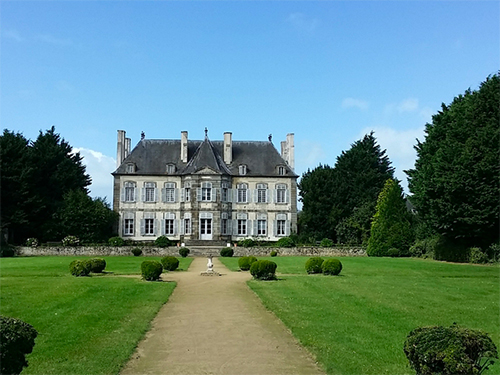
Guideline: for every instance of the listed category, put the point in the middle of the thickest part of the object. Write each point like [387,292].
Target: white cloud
[356,103]
[426,113]
[400,147]
[13,35]
[47,38]
[302,22]
[99,167]
[406,105]
[309,155]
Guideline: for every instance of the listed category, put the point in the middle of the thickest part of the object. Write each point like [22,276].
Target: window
[170,168]
[169,226]
[187,192]
[241,221]
[187,225]
[281,170]
[149,226]
[261,193]
[242,192]
[128,192]
[128,224]
[242,169]
[224,193]
[261,227]
[130,168]
[281,193]
[169,192]
[206,191]
[224,226]
[281,227]
[149,193]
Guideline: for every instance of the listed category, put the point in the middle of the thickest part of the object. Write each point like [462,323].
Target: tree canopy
[456,179]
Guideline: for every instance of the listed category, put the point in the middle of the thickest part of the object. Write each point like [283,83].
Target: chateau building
[192,190]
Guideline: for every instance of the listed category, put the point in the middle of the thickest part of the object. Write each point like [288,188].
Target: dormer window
[130,168]
[281,170]
[170,168]
[242,169]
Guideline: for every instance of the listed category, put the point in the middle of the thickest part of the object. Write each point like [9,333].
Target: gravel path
[217,325]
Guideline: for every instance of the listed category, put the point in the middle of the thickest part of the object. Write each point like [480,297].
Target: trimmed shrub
[136,251]
[313,265]
[184,252]
[163,241]
[32,242]
[285,242]
[227,252]
[169,263]
[97,265]
[274,253]
[80,267]
[331,266]
[17,339]
[70,241]
[247,242]
[245,262]
[263,270]
[449,350]
[424,248]
[326,242]
[476,255]
[151,270]
[7,251]
[116,241]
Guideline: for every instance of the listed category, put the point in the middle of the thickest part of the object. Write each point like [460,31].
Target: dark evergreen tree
[391,226]
[456,179]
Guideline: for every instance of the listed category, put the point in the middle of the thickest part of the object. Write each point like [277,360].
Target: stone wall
[194,251]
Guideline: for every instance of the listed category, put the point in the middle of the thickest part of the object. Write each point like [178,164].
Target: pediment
[206,170]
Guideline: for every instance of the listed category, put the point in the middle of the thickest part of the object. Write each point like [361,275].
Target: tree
[91,220]
[456,179]
[391,225]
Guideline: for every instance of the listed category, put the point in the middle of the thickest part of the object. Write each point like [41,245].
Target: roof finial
[143,136]
[206,133]
[270,137]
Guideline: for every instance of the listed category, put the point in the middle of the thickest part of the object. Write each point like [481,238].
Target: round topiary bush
[97,265]
[331,266]
[17,339]
[247,242]
[151,270]
[169,263]
[116,241]
[136,251]
[449,350]
[80,267]
[184,252]
[245,262]
[227,252]
[163,241]
[274,253]
[285,242]
[313,265]
[263,270]
[326,242]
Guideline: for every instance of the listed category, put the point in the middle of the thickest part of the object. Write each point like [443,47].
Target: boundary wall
[194,251]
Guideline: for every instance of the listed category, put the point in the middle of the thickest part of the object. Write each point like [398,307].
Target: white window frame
[242,169]
[170,169]
[187,224]
[129,191]
[242,193]
[149,224]
[241,224]
[206,193]
[281,170]
[169,192]
[224,192]
[261,193]
[281,193]
[281,225]
[128,224]
[130,168]
[149,192]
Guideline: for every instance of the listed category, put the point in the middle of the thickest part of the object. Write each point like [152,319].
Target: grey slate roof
[151,157]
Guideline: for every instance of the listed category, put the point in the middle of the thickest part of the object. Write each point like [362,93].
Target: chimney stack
[291,150]
[184,146]
[120,148]
[228,147]
[127,146]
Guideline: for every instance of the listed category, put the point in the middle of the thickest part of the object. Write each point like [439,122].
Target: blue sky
[327,71]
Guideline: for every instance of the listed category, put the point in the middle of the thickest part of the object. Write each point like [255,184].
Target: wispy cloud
[13,35]
[99,167]
[309,154]
[406,105]
[356,103]
[302,22]
[426,114]
[49,39]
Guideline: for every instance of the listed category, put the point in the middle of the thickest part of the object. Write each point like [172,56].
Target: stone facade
[201,190]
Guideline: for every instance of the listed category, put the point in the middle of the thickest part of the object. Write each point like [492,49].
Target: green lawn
[86,325]
[356,323]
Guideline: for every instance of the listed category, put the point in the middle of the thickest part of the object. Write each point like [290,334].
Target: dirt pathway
[217,325]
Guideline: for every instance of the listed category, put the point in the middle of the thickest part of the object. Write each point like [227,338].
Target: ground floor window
[149,226]
[187,226]
[223,226]
[242,227]
[261,227]
[169,227]
[281,226]
[128,228]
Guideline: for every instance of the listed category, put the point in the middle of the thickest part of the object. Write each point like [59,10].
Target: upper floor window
[186,192]
[169,192]
[224,192]
[242,170]
[242,193]
[205,193]
[281,170]
[130,168]
[128,192]
[170,168]
[261,193]
[281,193]
[149,192]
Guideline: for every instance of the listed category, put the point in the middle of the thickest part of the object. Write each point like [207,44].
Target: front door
[205,229]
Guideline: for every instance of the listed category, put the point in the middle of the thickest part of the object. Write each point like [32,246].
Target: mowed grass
[356,323]
[86,325]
